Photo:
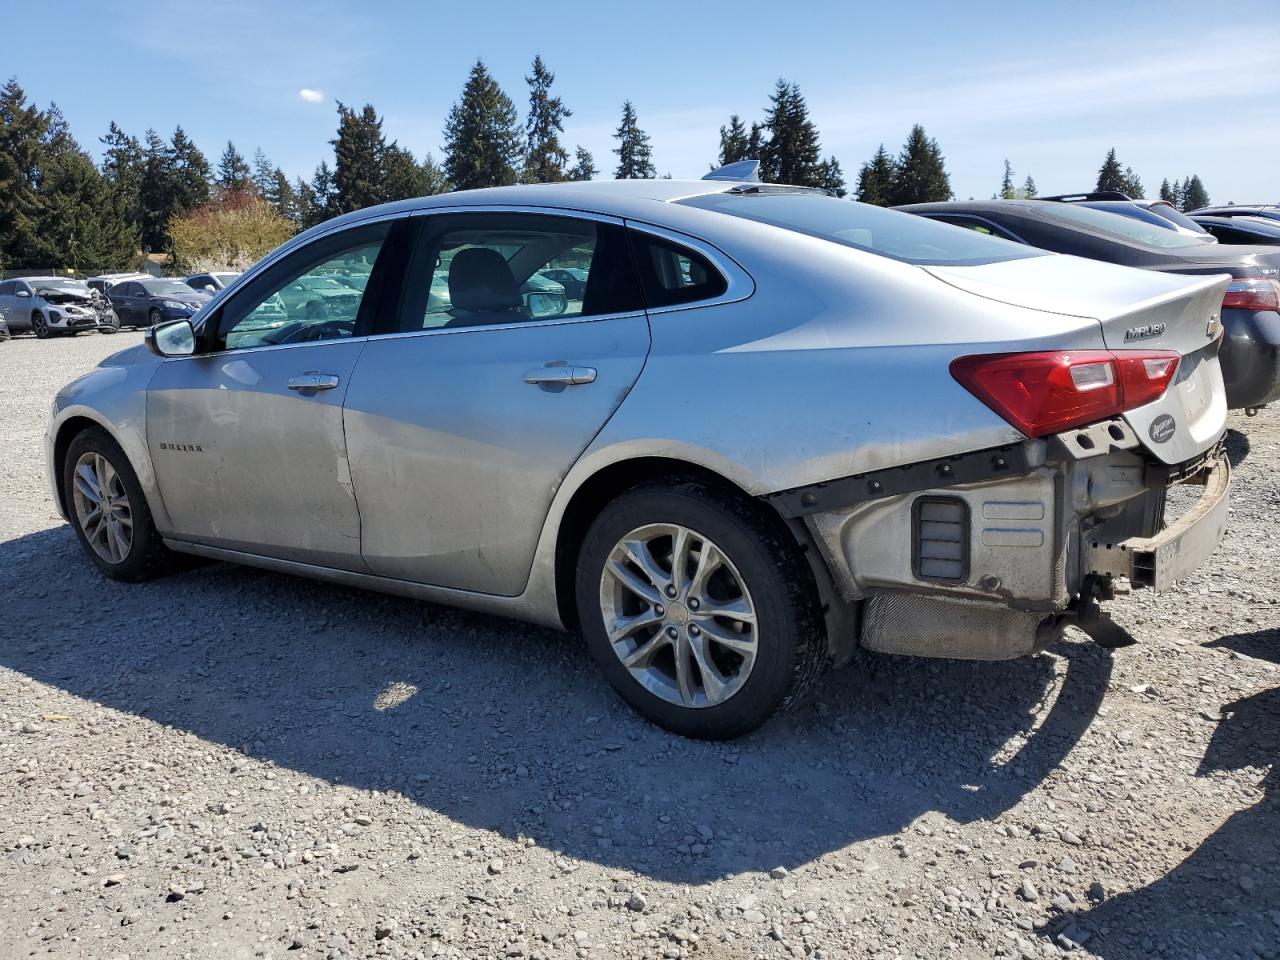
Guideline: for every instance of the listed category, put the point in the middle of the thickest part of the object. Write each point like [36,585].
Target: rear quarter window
[672,274]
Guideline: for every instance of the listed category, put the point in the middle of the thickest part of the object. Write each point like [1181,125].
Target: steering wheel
[328,330]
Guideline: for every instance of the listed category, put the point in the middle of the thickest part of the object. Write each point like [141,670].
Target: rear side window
[6,289]
[888,233]
[673,274]
[984,227]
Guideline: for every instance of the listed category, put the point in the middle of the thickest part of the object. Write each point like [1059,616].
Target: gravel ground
[229,763]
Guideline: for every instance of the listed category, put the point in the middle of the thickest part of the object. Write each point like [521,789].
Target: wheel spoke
[740,610]
[739,643]
[622,627]
[709,561]
[86,481]
[642,655]
[680,543]
[713,682]
[684,672]
[638,553]
[633,581]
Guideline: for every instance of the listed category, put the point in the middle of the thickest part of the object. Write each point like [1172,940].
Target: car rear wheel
[699,609]
[109,511]
[39,326]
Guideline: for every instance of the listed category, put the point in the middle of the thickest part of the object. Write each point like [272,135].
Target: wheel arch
[614,479]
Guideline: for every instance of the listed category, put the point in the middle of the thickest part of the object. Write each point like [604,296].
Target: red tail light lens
[1044,393]
[1252,294]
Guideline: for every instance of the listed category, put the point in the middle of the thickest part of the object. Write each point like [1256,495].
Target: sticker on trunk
[1162,428]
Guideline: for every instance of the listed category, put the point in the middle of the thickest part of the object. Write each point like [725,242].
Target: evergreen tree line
[59,209]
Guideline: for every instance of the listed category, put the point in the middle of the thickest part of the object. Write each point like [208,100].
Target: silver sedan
[773,427]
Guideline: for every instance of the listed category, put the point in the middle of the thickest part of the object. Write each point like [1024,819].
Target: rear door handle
[561,374]
[314,381]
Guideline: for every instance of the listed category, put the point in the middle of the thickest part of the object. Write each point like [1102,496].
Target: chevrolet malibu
[775,426]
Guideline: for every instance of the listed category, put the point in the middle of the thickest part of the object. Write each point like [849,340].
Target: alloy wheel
[39,326]
[678,615]
[102,507]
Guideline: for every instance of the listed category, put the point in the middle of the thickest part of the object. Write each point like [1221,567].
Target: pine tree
[482,135]
[921,175]
[1007,191]
[359,150]
[1028,188]
[1131,186]
[1111,174]
[584,166]
[263,172]
[875,179]
[80,223]
[734,142]
[831,178]
[304,205]
[282,196]
[122,168]
[155,192]
[22,128]
[233,171]
[188,174]
[324,203]
[433,177]
[1166,191]
[635,155]
[406,178]
[1194,195]
[546,158]
[792,154]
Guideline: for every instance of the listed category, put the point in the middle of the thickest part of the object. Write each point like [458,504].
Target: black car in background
[1241,229]
[1250,311]
[1268,211]
[144,303]
[1158,213]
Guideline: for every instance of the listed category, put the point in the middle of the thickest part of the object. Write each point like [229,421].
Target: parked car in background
[1268,211]
[144,303]
[4,330]
[787,425]
[104,282]
[1254,230]
[1159,213]
[54,306]
[210,283]
[573,279]
[1250,307]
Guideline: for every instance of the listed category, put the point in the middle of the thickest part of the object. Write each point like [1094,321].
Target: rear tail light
[1044,393]
[1252,294]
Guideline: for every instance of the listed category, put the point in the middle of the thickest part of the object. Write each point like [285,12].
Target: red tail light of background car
[1044,393]
[1254,293]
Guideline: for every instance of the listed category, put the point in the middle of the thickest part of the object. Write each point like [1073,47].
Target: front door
[247,436]
[461,428]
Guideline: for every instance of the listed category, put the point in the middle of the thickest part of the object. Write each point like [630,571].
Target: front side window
[6,288]
[306,297]
[887,233]
[486,269]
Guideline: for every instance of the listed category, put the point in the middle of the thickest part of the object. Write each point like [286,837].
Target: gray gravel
[229,763]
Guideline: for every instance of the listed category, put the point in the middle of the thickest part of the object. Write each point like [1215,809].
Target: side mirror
[545,304]
[177,338]
[209,288]
[24,293]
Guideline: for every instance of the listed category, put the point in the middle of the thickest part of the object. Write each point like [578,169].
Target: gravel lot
[230,763]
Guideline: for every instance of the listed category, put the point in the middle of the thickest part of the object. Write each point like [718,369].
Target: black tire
[792,648]
[153,317]
[147,556]
[40,326]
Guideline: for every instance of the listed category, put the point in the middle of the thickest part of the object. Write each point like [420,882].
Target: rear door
[125,299]
[462,421]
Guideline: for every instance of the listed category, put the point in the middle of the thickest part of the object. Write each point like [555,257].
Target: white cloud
[311,96]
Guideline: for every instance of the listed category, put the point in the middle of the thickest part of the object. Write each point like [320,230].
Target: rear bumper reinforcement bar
[1180,548]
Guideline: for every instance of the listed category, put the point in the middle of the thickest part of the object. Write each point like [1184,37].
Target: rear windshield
[1174,215]
[1125,228]
[889,233]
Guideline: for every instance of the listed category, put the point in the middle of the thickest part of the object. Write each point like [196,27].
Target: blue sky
[1176,87]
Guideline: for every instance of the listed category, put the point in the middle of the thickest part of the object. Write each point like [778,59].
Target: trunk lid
[1137,310]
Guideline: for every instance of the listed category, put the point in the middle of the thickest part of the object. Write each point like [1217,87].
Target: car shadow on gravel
[1237,447]
[509,727]
[1233,877]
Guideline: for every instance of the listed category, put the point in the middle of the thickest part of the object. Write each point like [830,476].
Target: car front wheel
[40,326]
[699,609]
[109,511]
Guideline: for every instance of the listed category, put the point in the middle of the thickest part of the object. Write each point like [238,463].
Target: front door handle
[561,374]
[314,381]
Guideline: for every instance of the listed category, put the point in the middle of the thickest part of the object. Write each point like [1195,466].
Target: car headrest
[481,281]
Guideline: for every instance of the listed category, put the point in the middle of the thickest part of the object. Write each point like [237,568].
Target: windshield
[888,233]
[63,286]
[1125,228]
[226,278]
[167,288]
